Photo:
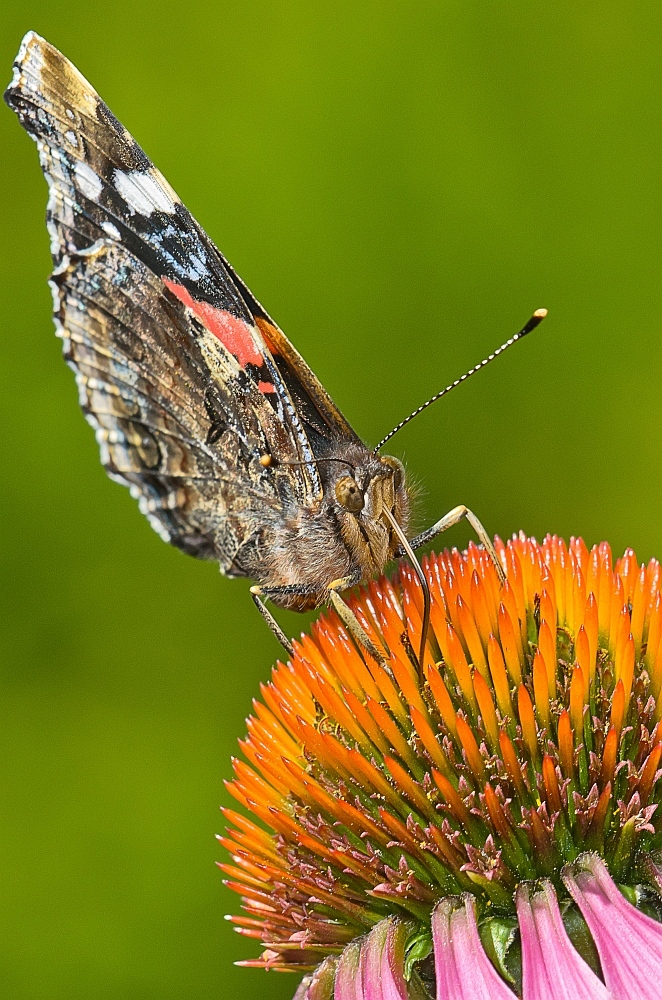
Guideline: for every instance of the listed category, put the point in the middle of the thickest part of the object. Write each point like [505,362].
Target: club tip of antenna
[530,325]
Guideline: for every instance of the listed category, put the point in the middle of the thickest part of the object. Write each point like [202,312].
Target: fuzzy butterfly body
[199,402]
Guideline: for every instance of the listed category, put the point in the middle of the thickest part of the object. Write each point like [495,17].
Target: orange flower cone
[486,826]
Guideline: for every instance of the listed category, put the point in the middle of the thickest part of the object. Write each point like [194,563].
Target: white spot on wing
[28,38]
[71,137]
[110,230]
[159,528]
[94,248]
[62,266]
[197,269]
[88,182]
[142,193]
[28,64]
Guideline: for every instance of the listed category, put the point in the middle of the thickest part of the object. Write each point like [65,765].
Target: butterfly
[200,404]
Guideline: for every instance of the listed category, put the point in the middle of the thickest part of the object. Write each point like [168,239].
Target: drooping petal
[463,970]
[372,968]
[349,974]
[383,965]
[629,943]
[552,968]
[371,960]
[393,962]
[319,984]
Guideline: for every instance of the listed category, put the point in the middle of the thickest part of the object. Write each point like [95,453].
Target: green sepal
[417,948]
[497,935]
[622,857]
[578,932]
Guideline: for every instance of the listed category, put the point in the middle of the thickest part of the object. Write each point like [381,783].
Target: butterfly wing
[187,381]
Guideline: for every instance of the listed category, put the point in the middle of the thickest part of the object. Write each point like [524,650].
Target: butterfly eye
[349,495]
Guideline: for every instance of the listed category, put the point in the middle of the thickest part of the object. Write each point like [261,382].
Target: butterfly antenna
[535,320]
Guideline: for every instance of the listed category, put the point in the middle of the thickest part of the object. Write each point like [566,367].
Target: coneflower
[484,828]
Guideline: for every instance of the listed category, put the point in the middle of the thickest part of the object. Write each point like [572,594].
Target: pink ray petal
[319,984]
[349,974]
[552,968]
[394,986]
[464,972]
[383,968]
[629,943]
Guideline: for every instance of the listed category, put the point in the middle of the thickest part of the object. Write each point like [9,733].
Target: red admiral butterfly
[199,402]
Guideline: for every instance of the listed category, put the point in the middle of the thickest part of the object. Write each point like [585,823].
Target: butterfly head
[360,493]
[379,483]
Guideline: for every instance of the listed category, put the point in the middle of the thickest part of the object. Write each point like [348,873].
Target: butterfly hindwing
[175,416]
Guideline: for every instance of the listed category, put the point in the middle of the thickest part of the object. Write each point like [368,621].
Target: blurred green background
[401,185]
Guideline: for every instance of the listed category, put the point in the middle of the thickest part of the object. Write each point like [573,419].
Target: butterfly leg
[343,611]
[454,516]
[256,593]
[349,619]
[290,590]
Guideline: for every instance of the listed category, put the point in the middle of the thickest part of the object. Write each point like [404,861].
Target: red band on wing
[233,333]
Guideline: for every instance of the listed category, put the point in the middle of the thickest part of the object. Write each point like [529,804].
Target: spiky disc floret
[534,738]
